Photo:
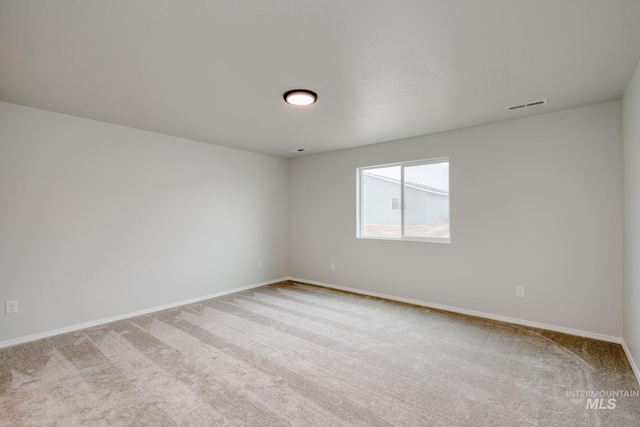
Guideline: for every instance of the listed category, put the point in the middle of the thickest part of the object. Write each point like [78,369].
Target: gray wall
[98,220]
[535,202]
[631,138]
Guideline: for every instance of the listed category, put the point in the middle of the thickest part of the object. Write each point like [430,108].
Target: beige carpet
[294,354]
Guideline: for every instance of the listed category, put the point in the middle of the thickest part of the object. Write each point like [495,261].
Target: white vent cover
[528,104]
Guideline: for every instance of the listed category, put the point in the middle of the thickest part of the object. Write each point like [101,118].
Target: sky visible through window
[436,174]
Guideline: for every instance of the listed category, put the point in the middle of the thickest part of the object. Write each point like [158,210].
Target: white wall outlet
[520,291]
[260,265]
[333,265]
[10,307]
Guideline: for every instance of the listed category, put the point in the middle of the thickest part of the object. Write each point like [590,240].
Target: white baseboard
[74,328]
[632,362]
[577,332]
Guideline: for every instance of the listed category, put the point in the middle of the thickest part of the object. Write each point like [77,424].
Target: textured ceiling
[215,71]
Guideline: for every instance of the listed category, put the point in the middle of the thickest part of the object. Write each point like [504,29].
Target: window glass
[405,201]
[378,187]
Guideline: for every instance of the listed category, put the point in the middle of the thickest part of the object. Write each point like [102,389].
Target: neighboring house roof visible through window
[421,187]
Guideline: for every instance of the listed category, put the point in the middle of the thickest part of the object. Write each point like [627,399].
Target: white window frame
[360,201]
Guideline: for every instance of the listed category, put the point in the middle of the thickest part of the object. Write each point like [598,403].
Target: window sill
[409,239]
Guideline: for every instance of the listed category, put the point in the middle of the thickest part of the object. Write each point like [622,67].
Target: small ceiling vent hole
[528,104]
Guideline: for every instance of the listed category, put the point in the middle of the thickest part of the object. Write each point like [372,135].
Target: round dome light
[300,97]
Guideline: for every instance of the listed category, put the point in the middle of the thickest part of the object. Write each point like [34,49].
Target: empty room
[329,213]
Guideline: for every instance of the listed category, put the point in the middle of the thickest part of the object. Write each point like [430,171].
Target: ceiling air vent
[517,107]
[528,104]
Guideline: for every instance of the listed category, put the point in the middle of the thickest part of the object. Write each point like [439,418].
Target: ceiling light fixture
[300,97]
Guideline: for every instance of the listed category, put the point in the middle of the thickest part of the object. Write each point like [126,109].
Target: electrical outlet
[10,307]
[260,265]
[333,265]
[520,291]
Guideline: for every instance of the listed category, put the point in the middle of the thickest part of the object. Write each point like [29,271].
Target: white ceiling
[215,71]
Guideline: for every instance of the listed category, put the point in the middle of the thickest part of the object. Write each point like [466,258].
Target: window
[405,201]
